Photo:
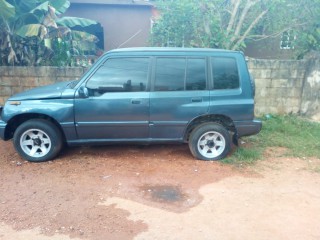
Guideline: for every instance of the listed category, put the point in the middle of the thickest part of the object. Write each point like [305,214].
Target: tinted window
[196,74]
[225,73]
[121,75]
[170,74]
[178,74]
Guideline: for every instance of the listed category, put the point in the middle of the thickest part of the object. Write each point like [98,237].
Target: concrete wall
[287,86]
[278,85]
[310,101]
[17,79]
[282,86]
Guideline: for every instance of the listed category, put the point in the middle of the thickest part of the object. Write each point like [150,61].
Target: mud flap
[235,139]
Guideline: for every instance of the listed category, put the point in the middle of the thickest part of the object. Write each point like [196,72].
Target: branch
[257,38]
[235,4]
[249,29]
[244,13]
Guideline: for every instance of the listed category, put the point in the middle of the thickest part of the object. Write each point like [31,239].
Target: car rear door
[179,95]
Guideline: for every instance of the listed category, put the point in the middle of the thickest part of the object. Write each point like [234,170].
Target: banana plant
[25,24]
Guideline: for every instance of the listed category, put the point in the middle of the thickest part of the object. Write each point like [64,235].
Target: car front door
[117,105]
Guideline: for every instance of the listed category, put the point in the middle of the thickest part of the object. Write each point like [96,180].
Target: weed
[244,155]
[300,136]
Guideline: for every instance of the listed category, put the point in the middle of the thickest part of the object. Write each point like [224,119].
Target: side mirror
[83,92]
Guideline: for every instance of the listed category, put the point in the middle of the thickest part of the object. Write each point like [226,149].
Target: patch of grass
[243,156]
[300,136]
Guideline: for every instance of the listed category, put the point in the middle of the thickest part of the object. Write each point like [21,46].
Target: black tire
[210,141]
[38,140]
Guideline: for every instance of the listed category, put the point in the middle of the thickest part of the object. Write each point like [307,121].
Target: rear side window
[225,73]
[170,74]
[196,74]
[121,75]
[179,74]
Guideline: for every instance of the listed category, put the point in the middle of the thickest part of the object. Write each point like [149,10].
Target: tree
[25,24]
[308,35]
[229,24]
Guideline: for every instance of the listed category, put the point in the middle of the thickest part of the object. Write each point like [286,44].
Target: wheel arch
[223,120]
[17,120]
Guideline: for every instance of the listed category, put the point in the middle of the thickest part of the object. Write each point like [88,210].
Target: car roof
[169,49]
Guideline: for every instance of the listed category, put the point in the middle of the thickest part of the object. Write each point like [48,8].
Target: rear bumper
[247,128]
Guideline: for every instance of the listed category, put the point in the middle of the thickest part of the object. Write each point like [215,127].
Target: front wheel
[37,140]
[209,141]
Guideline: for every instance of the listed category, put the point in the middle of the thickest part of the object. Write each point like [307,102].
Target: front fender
[59,110]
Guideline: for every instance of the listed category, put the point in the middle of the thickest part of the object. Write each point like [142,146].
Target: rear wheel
[209,141]
[37,140]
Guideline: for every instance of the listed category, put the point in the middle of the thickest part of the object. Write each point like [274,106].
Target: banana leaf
[7,10]
[41,9]
[49,19]
[61,6]
[83,36]
[32,30]
[26,5]
[58,32]
[72,22]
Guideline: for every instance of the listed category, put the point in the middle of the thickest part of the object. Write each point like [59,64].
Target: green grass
[299,136]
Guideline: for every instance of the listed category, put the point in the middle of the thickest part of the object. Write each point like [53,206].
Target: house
[280,47]
[125,23]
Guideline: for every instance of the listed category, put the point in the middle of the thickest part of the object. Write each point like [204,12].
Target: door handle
[135,101]
[196,99]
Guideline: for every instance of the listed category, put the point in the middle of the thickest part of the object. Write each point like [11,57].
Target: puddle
[164,193]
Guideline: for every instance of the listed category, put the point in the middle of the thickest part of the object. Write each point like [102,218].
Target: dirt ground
[157,192]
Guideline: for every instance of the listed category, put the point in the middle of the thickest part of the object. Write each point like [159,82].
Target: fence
[282,86]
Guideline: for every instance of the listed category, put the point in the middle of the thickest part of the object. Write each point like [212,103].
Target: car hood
[45,92]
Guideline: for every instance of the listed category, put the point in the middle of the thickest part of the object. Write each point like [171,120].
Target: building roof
[115,2]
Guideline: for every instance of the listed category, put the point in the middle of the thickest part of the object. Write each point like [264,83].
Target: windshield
[73,84]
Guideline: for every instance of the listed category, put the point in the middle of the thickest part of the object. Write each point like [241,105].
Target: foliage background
[32,33]
[232,24]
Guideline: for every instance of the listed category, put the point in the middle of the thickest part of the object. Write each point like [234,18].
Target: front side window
[179,74]
[225,73]
[121,75]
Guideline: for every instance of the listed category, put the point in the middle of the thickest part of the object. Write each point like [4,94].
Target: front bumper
[2,125]
[247,128]
[2,129]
